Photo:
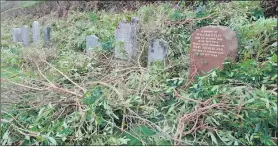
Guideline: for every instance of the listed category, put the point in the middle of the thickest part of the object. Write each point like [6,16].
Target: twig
[142,92]
[4,80]
[19,130]
[66,91]
[43,74]
[189,99]
[123,120]
[199,110]
[140,82]
[138,59]
[189,20]
[109,86]
[84,90]
[125,131]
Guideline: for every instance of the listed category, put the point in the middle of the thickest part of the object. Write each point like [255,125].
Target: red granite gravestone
[210,47]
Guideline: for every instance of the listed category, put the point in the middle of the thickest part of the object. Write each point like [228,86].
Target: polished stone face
[210,47]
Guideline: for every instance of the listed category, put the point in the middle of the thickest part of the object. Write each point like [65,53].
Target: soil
[62,7]
[270,7]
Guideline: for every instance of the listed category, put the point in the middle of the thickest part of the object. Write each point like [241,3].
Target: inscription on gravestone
[16,34]
[36,31]
[210,47]
[127,45]
[157,50]
[91,42]
[25,35]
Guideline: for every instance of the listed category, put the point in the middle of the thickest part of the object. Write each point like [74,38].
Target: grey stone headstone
[91,42]
[46,34]
[25,35]
[16,35]
[36,31]
[157,50]
[127,45]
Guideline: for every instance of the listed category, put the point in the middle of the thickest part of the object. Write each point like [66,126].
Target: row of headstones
[210,46]
[22,34]
[127,33]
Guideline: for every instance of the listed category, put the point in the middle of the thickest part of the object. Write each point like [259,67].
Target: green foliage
[107,45]
[10,57]
[93,17]
[142,131]
[142,107]
[92,96]
[253,127]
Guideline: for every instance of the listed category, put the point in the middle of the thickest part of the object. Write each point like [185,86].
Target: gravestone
[157,50]
[210,47]
[25,35]
[16,35]
[46,34]
[91,42]
[36,31]
[127,45]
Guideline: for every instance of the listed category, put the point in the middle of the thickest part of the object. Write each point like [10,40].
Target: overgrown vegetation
[59,96]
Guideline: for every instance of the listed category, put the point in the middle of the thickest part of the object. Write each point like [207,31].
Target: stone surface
[127,45]
[46,34]
[25,35]
[157,50]
[134,20]
[16,32]
[210,47]
[91,42]
[36,32]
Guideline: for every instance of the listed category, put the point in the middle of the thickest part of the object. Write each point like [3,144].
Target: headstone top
[36,22]
[210,46]
[92,36]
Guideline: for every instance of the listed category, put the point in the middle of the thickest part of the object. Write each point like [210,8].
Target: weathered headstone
[127,45]
[36,31]
[157,50]
[16,35]
[210,46]
[25,35]
[91,42]
[46,34]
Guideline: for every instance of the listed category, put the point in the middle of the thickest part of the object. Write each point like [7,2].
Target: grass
[11,73]
[91,100]
[14,5]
